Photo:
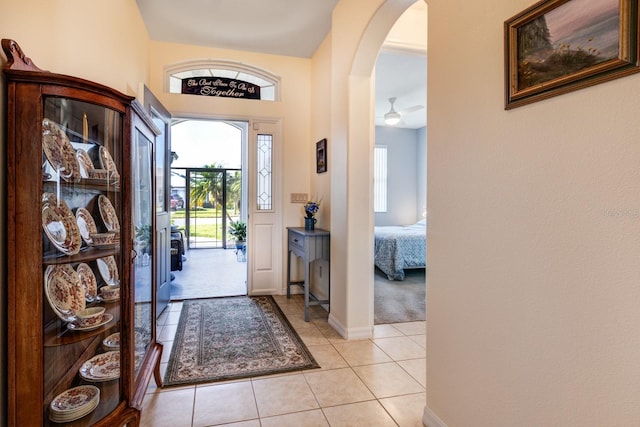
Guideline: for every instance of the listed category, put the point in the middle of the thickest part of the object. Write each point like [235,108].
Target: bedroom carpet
[234,337]
[399,301]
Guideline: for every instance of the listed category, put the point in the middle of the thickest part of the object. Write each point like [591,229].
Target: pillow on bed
[422,222]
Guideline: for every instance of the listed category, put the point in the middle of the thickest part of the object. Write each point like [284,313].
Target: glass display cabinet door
[143,214]
[81,206]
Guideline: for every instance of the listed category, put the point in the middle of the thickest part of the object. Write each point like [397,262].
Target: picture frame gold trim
[535,74]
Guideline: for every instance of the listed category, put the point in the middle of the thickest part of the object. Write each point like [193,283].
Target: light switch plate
[299,197]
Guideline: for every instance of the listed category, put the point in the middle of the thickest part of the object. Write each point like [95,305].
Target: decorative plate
[88,281]
[74,403]
[112,342]
[106,161]
[108,270]
[67,417]
[108,213]
[59,151]
[86,225]
[84,162]
[63,290]
[60,225]
[103,367]
[106,318]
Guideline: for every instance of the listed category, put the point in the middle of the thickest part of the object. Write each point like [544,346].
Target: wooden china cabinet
[81,307]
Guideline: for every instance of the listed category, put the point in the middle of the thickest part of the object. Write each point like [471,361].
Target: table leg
[288,274]
[306,290]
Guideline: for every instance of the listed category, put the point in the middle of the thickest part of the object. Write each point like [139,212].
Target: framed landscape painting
[557,46]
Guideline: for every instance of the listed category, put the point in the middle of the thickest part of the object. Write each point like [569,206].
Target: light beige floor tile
[317,313]
[385,331]
[401,348]
[421,340]
[163,371]
[312,336]
[288,306]
[328,331]
[224,403]
[281,299]
[387,379]
[282,395]
[172,317]
[162,319]
[417,368]
[297,321]
[313,418]
[176,306]
[250,423]
[337,387]
[406,410]
[327,357]
[290,310]
[153,387]
[167,333]
[370,414]
[362,352]
[166,351]
[168,408]
[412,328]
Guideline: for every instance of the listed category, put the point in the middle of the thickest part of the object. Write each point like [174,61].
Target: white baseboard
[335,324]
[352,333]
[430,419]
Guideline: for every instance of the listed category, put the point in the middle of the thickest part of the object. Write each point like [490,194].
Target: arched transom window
[268,83]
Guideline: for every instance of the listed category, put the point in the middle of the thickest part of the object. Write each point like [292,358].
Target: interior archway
[361,136]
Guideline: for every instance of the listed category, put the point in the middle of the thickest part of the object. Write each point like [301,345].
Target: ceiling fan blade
[411,109]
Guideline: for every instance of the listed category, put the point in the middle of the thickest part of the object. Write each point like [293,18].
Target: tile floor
[375,382]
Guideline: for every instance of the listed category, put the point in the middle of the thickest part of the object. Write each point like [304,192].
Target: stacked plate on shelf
[74,403]
[103,367]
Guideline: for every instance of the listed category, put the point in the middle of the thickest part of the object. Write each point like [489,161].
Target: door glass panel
[160,167]
[264,172]
[143,225]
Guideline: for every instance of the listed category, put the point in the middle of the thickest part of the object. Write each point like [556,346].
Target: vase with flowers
[310,210]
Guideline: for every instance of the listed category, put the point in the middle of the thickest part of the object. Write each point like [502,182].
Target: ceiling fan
[393,117]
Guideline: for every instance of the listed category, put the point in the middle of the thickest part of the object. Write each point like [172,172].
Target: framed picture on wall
[558,46]
[321,156]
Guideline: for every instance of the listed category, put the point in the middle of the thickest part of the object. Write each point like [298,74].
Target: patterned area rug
[234,337]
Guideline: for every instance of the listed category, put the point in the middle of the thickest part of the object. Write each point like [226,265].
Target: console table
[310,245]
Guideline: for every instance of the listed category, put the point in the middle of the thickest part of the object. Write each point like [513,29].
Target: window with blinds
[380,179]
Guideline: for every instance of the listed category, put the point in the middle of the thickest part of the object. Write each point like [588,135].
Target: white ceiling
[282,27]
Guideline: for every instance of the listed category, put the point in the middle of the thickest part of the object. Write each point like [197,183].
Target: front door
[265,231]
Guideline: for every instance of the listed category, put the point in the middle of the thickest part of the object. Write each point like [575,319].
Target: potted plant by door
[238,230]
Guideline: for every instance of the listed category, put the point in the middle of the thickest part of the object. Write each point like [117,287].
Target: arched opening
[400,172]
[359,294]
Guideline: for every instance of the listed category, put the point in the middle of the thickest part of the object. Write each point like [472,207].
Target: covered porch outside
[208,273]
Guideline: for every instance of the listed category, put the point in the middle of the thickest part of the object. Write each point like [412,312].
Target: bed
[400,247]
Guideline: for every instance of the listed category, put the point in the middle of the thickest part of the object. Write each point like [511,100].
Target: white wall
[533,239]
[403,167]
